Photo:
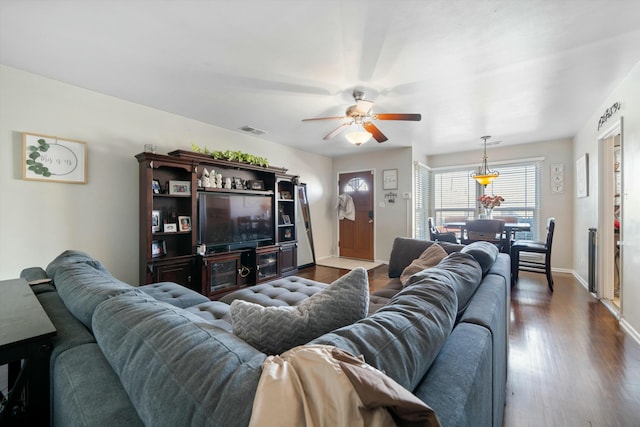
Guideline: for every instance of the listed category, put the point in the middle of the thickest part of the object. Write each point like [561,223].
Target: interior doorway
[610,288]
[355,232]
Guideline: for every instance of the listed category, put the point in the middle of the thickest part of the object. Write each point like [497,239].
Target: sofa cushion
[275,330]
[462,271]
[402,338]
[405,250]
[484,252]
[177,368]
[73,257]
[429,258]
[86,391]
[457,385]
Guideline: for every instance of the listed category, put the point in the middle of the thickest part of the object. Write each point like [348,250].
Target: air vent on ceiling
[253,130]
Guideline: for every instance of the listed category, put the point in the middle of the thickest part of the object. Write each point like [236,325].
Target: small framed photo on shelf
[158,248]
[287,235]
[185,223]
[238,183]
[155,221]
[256,185]
[155,186]
[181,188]
[170,228]
[286,219]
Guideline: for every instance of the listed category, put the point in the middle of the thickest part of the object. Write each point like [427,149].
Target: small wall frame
[582,176]
[390,179]
[50,158]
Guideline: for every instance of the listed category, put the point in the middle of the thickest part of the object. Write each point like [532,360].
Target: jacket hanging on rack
[346,208]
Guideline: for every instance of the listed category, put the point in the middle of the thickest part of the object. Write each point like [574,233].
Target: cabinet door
[267,265]
[288,259]
[177,271]
[221,274]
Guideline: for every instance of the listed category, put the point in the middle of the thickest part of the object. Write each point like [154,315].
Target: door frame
[336,247]
[606,251]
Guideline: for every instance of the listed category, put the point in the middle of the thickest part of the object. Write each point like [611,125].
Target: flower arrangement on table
[490,202]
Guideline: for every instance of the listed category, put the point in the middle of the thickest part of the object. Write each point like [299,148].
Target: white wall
[586,209]
[38,220]
[559,206]
[390,219]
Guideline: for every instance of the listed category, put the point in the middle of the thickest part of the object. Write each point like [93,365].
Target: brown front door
[356,237]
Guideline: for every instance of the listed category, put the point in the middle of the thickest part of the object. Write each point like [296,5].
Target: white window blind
[421,200]
[456,193]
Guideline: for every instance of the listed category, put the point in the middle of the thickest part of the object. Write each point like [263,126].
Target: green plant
[237,156]
[34,154]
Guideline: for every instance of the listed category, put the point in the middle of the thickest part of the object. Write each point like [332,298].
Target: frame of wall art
[50,158]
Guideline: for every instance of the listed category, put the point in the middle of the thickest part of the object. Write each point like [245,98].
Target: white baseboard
[629,329]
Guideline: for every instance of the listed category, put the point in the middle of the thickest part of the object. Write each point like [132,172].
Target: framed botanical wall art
[50,158]
[582,176]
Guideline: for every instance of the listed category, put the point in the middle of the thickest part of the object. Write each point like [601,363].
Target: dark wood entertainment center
[170,249]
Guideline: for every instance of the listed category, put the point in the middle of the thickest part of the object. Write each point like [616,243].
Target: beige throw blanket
[323,386]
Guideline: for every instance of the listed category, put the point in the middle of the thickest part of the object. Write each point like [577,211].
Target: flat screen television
[233,220]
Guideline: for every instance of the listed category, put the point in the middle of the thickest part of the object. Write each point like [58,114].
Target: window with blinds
[421,201]
[455,194]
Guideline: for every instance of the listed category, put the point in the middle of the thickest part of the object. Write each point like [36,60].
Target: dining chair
[488,230]
[532,264]
[509,220]
[438,236]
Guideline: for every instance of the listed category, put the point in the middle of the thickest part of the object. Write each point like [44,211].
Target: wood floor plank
[570,362]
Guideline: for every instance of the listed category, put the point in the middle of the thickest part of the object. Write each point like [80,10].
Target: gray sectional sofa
[163,355]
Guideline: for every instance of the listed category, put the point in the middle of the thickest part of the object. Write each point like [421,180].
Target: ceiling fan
[361,114]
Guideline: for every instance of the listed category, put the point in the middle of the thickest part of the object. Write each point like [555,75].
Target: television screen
[230,218]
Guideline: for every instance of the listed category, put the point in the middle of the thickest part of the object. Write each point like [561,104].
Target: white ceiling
[522,71]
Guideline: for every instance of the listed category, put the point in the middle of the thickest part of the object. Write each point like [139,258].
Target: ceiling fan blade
[377,135]
[337,130]
[411,117]
[324,118]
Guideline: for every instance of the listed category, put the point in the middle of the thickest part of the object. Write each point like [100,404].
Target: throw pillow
[429,258]
[274,330]
[484,252]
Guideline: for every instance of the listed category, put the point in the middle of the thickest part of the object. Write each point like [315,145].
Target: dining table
[510,228]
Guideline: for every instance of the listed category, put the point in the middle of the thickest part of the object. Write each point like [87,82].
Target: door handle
[370,217]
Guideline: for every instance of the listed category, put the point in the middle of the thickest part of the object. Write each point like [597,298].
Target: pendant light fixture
[484,175]
[358,137]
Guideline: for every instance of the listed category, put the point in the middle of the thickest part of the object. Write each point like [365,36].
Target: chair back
[507,219]
[433,231]
[488,230]
[551,226]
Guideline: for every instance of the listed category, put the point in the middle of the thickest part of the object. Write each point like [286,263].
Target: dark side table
[25,346]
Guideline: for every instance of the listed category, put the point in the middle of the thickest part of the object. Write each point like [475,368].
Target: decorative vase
[488,212]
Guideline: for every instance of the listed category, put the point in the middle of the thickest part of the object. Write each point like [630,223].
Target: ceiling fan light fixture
[358,137]
[484,175]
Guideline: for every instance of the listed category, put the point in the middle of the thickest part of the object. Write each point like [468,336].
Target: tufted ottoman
[174,294]
[286,291]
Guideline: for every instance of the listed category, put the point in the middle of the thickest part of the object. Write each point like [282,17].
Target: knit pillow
[274,330]
[429,258]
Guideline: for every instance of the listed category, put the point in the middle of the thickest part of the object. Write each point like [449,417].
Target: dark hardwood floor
[570,363]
